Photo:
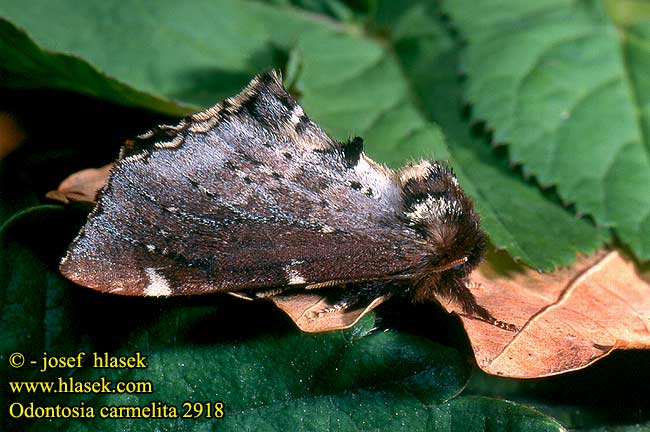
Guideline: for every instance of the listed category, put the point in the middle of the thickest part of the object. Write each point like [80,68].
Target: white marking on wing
[379,179]
[293,276]
[158,285]
[296,115]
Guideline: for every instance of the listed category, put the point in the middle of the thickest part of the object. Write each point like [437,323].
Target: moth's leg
[473,309]
[328,284]
[254,295]
[269,293]
[241,295]
[339,304]
[356,295]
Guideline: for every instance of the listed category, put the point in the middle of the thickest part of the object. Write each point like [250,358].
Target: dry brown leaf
[11,134]
[81,186]
[566,319]
[312,312]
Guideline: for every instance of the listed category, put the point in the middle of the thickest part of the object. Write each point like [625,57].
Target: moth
[252,198]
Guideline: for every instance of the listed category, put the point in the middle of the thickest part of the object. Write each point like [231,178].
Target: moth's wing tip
[69,268]
[309,312]
[85,274]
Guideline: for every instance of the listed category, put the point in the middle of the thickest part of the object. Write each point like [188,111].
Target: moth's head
[436,206]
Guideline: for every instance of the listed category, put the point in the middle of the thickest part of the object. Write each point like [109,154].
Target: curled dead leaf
[82,186]
[566,319]
[314,313]
[11,134]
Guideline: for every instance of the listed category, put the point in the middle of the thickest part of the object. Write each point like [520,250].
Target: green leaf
[578,400]
[519,218]
[26,65]
[171,52]
[390,411]
[488,414]
[354,86]
[565,85]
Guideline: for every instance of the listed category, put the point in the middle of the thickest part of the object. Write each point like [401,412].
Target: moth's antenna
[447,266]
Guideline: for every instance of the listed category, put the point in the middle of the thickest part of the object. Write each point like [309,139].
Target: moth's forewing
[250,194]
